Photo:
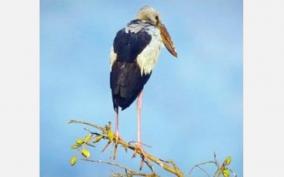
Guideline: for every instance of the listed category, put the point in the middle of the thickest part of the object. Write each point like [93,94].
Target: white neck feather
[148,58]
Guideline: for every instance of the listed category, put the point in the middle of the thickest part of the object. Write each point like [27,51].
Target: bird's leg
[139,114]
[116,133]
[139,148]
[116,123]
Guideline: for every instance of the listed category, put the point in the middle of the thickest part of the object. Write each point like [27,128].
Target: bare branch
[105,133]
[146,157]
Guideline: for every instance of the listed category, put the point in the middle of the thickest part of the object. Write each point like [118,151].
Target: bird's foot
[138,149]
[112,138]
[116,142]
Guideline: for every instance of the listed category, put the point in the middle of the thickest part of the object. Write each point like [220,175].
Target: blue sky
[192,105]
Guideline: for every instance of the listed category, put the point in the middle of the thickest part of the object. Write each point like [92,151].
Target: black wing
[126,83]
[125,78]
[128,45]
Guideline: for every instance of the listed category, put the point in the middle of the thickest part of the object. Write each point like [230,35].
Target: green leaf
[73,160]
[228,160]
[98,138]
[75,146]
[110,135]
[87,138]
[86,153]
[79,141]
[226,173]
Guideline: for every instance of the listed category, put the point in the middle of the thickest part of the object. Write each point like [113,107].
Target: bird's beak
[167,39]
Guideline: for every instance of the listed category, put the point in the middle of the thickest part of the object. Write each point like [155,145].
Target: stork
[133,56]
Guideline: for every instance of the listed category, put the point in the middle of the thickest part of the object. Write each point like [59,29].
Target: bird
[133,56]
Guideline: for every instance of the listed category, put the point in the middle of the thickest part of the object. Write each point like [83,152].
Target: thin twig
[233,173]
[128,171]
[86,123]
[204,171]
[200,164]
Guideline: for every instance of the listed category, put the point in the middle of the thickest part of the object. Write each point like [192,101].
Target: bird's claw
[138,149]
[116,139]
[113,138]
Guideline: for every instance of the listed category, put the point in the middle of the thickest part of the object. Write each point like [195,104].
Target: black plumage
[126,80]
[127,45]
[126,83]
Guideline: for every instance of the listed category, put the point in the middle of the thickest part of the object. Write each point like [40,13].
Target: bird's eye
[157,18]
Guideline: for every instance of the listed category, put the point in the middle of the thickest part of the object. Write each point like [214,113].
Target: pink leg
[116,123]
[139,116]
[116,133]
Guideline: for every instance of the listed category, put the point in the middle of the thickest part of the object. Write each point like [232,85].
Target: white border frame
[19,89]
[263,88]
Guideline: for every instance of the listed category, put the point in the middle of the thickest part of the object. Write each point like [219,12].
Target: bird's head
[152,16]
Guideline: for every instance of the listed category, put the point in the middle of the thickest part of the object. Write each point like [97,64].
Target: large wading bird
[133,57]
